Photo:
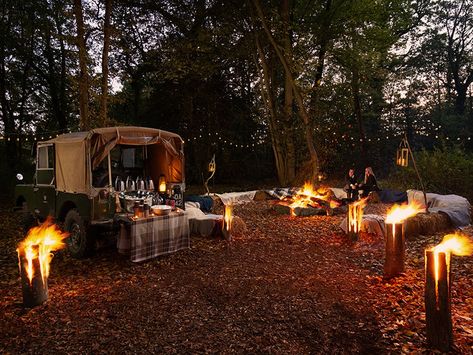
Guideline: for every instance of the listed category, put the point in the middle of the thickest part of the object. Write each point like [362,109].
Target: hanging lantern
[162,184]
[212,165]
[402,155]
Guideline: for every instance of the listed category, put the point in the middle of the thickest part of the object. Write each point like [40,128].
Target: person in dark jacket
[370,183]
[351,185]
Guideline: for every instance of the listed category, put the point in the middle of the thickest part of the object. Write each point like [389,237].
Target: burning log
[354,218]
[227,222]
[396,238]
[34,256]
[34,288]
[395,249]
[438,314]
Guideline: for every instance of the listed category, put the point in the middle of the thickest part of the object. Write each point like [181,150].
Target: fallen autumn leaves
[288,285]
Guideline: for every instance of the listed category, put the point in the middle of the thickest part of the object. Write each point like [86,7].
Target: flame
[399,213]
[355,215]
[228,217]
[304,196]
[457,244]
[38,244]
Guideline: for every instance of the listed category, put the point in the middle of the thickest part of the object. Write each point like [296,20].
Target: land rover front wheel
[79,242]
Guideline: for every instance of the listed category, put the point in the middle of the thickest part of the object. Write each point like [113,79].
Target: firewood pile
[310,202]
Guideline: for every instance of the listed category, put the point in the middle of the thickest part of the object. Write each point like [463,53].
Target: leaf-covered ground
[288,285]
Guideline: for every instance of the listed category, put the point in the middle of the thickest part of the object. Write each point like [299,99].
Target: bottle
[177,195]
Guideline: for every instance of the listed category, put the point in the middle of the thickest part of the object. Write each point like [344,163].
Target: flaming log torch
[396,239]
[438,312]
[227,222]
[34,257]
[354,218]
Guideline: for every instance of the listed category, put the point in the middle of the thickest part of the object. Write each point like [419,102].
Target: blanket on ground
[457,208]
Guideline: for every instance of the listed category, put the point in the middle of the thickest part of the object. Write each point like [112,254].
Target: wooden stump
[34,292]
[395,250]
[438,314]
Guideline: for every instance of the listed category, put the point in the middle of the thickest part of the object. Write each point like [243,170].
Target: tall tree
[85,123]
[105,55]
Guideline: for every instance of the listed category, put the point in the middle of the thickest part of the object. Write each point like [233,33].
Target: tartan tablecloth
[150,237]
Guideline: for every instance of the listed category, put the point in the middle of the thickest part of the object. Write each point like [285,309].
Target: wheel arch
[65,208]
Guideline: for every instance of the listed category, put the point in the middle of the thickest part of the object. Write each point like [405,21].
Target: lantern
[402,155]
[212,165]
[162,184]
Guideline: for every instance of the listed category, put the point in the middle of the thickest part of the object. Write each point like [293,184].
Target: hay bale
[427,224]
[262,195]
[238,226]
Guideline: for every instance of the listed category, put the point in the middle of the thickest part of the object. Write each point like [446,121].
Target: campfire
[34,256]
[437,288]
[309,201]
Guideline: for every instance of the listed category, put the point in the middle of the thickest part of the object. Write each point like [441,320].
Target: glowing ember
[457,244]
[39,244]
[399,213]
[227,215]
[355,215]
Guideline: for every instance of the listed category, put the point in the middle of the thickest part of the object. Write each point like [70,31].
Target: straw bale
[427,224]
[262,195]
[238,226]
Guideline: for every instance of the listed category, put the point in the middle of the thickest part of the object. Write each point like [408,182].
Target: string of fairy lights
[258,138]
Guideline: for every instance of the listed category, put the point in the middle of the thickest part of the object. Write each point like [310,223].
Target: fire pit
[34,255]
[308,202]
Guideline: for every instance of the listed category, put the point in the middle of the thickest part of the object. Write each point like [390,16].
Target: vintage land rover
[80,178]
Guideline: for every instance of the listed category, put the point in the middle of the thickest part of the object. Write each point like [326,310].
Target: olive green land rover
[81,178]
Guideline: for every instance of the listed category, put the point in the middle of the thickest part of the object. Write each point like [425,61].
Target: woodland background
[278,90]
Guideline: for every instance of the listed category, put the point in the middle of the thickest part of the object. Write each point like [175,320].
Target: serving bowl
[161,210]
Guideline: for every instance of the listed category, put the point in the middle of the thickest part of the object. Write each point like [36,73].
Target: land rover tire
[79,243]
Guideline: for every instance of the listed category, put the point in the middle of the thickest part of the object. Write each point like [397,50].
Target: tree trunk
[53,83]
[355,87]
[274,129]
[460,99]
[7,116]
[106,48]
[313,163]
[288,95]
[85,123]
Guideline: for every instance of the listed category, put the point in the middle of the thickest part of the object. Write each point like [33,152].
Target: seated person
[351,185]
[370,183]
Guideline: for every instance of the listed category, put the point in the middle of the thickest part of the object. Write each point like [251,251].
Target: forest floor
[287,285]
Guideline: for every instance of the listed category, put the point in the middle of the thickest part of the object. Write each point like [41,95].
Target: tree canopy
[276,89]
